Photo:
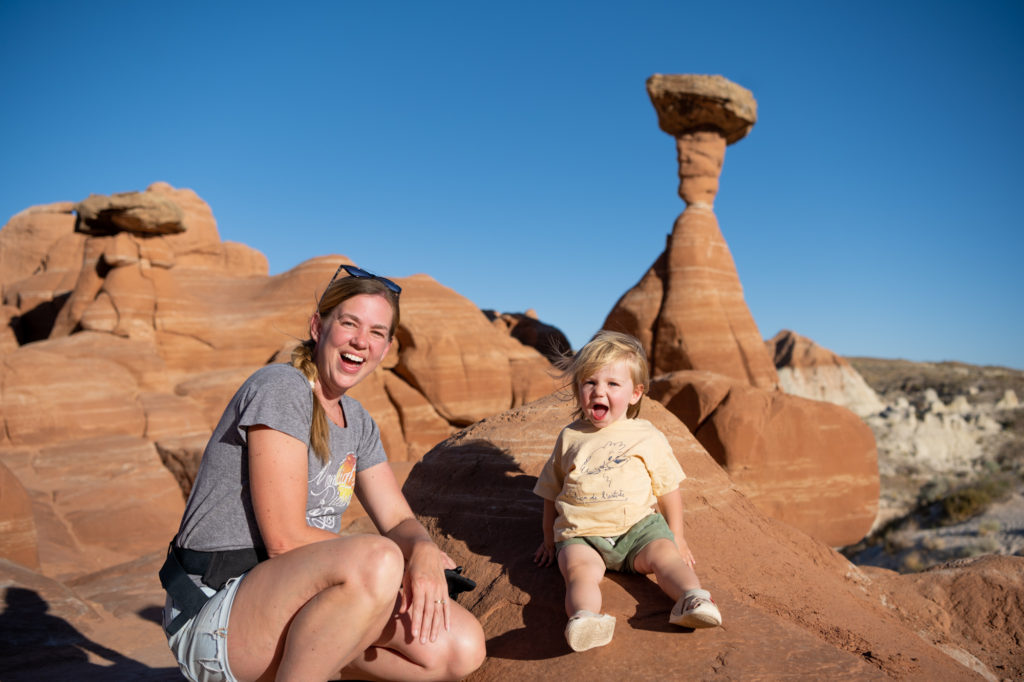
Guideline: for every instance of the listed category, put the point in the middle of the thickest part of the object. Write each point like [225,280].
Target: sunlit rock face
[810,371]
[129,326]
[688,309]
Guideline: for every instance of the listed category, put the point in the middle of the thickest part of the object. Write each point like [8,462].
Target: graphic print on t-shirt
[329,494]
[345,480]
[596,481]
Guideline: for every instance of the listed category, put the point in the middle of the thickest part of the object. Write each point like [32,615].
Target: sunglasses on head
[354,271]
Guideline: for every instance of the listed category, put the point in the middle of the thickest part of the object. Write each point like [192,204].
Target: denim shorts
[201,645]
[620,551]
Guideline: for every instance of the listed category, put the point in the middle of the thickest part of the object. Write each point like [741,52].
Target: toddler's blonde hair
[605,348]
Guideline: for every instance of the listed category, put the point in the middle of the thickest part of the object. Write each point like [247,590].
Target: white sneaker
[586,630]
[695,609]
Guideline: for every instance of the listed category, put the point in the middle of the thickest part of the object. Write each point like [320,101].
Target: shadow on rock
[476,494]
[31,638]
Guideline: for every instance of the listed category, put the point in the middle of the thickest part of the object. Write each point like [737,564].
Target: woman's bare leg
[397,655]
[306,614]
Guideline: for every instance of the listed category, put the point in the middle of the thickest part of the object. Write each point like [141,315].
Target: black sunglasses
[353,271]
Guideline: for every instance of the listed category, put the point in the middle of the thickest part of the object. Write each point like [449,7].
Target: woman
[275,478]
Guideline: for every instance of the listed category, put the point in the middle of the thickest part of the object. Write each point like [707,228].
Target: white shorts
[201,645]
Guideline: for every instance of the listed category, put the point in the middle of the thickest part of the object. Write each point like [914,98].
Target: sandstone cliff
[128,324]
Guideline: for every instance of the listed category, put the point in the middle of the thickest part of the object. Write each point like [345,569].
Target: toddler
[607,473]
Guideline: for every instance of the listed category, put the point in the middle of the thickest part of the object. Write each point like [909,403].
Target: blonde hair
[605,348]
[339,291]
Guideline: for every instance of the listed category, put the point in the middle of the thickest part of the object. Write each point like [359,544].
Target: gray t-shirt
[219,515]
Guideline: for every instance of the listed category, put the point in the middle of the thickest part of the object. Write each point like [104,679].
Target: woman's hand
[424,588]
[425,591]
[545,554]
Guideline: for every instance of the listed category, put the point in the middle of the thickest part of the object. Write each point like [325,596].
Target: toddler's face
[607,394]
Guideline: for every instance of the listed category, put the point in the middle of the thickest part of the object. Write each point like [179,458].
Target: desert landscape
[856,518]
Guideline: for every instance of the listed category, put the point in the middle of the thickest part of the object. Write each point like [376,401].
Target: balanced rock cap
[687,102]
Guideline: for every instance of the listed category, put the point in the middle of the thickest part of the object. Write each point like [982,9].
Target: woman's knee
[371,563]
[379,566]
[468,646]
[463,652]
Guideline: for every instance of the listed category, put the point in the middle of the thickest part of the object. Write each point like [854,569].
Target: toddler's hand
[684,551]
[544,555]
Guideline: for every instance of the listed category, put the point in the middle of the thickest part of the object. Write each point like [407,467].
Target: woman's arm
[279,488]
[425,590]
[671,505]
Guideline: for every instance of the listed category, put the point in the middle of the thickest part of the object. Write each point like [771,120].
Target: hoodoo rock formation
[809,463]
[689,309]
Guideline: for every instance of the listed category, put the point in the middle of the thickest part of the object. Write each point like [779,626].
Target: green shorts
[619,552]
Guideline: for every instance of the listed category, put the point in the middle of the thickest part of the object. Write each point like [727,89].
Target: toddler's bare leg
[582,567]
[662,558]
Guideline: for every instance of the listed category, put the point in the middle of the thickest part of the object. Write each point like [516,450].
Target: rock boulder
[808,463]
[791,606]
[811,371]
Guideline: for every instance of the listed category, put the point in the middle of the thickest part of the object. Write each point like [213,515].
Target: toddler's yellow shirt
[605,480]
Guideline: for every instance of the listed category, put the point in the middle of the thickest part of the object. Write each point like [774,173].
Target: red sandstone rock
[811,464]
[27,237]
[792,607]
[139,212]
[109,409]
[418,418]
[18,540]
[969,608]
[47,397]
[685,102]
[104,502]
[689,309]
[97,501]
[711,368]
[810,371]
[530,331]
[457,359]
[99,627]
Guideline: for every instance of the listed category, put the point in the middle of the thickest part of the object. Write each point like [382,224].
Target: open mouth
[598,412]
[352,361]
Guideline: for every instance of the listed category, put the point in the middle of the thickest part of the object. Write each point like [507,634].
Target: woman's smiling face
[351,342]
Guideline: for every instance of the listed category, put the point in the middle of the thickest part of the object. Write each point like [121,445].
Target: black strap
[216,568]
[219,567]
[184,594]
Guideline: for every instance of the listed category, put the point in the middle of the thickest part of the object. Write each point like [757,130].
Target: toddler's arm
[545,554]
[672,509]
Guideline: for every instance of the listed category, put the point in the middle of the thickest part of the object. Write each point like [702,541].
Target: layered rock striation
[130,325]
[689,309]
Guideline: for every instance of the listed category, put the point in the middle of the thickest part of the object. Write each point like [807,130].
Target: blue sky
[510,151]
